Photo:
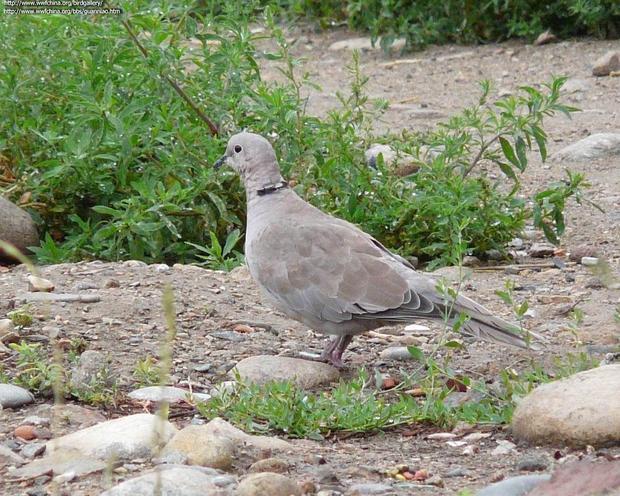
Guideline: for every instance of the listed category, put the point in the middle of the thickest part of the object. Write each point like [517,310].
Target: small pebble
[589,261]
[25,432]
[532,463]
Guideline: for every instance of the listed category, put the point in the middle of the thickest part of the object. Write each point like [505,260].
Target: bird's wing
[333,272]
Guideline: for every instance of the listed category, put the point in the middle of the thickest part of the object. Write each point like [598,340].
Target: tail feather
[493,328]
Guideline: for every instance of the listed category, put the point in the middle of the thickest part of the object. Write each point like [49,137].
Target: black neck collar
[271,188]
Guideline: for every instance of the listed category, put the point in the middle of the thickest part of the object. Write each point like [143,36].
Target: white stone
[580,410]
[12,396]
[365,44]
[200,446]
[174,480]
[38,284]
[589,261]
[598,145]
[607,63]
[265,368]
[417,328]
[129,437]
[222,429]
[167,393]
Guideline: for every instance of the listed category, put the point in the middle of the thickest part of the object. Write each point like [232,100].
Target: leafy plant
[21,317]
[549,205]
[102,390]
[35,370]
[356,406]
[423,22]
[218,257]
[146,372]
[115,162]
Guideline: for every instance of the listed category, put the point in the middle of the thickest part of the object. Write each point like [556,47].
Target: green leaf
[509,152]
[231,241]
[102,209]
[520,146]
[416,353]
[507,170]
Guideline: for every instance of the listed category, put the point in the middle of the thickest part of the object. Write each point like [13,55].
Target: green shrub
[117,165]
[427,21]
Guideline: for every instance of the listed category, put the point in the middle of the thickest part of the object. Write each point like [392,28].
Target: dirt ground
[128,325]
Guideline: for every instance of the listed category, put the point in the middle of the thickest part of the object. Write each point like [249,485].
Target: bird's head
[253,158]
[247,153]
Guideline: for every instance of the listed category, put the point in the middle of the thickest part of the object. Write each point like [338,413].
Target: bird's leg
[329,348]
[332,353]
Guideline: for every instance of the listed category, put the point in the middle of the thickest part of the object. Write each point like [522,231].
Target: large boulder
[580,410]
[17,228]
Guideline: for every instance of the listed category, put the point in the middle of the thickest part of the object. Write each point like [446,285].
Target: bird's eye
[238,148]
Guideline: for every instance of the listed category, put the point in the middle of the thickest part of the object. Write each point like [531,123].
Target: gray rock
[128,437]
[268,483]
[58,463]
[16,228]
[541,250]
[59,297]
[583,478]
[12,396]
[270,465]
[304,373]
[364,489]
[514,486]
[398,353]
[532,463]
[458,472]
[166,393]
[580,410]
[92,368]
[32,450]
[364,44]
[173,480]
[471,261]
[202,447]
[607,63]
[598,145]
[9,457]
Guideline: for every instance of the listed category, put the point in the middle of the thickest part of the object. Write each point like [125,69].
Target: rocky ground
[116,309]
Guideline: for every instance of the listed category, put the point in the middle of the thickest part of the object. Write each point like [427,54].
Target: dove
[329,274]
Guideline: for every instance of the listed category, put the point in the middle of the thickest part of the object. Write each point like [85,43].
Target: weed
[356,406]
[146,372]
[218,257]
[102,390]
[35,371]
[426,21]
[21,317]
[4,377]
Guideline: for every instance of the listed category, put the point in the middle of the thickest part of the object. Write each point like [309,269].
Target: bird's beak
[220,162]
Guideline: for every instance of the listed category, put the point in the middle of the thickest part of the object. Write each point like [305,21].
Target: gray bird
[328,273]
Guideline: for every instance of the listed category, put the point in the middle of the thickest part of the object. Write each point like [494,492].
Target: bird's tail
[492,328]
